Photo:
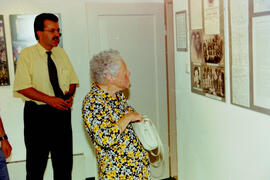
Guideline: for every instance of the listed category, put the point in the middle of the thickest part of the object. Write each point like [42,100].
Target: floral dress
[119,155]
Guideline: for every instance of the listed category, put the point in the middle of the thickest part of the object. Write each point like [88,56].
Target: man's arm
[55,102]
[70,94]
[6,147]
[71,91]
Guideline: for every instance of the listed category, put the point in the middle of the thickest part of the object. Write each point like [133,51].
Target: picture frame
[181,30]
[4,71]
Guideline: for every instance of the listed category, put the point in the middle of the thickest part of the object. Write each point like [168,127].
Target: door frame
[135,9]
[171,96]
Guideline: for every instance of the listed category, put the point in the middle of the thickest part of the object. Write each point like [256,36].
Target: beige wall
[218,141]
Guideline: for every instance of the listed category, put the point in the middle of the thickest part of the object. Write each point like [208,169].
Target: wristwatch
[3,137]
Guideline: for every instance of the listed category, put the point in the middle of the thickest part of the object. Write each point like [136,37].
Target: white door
[136,30]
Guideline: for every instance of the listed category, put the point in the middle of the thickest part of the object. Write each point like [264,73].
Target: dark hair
[39,22]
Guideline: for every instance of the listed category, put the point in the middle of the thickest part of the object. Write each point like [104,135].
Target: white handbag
[148,136]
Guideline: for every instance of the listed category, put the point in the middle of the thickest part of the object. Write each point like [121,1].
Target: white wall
[75,43]
[218,141]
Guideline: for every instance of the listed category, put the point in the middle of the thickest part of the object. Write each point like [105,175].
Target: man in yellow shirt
[46,81]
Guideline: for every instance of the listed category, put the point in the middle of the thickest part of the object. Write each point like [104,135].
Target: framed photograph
[213,81]
[22,33]
[197,77]
[196,46]
[213,49]
[4,73]
[181,30]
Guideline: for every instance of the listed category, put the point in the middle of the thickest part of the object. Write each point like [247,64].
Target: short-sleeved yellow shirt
[32,71]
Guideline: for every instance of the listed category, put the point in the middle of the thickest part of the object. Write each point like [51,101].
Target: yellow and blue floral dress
[120,155]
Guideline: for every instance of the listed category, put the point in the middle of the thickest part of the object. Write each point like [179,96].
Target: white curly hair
[103,63]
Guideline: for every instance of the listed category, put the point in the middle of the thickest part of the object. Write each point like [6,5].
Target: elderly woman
[108,118]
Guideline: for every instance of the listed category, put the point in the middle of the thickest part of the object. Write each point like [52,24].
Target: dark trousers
[47,129]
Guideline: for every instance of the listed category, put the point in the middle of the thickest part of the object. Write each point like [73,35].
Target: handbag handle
[160,148]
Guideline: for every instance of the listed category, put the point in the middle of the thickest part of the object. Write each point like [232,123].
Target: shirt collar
[119,95]
[42,50]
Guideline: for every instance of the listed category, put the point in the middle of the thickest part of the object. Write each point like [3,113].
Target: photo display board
[207,48]
[4,72]
[249,25]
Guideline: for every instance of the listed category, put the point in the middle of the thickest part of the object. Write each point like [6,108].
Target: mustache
[56,38]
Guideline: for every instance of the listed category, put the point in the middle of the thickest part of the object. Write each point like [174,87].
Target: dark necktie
[53,76]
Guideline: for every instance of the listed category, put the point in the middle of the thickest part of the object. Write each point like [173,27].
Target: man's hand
[57,103]
[6,147]
[70,101]
[68,98]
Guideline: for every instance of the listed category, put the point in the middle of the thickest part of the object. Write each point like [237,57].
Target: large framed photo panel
[207,48]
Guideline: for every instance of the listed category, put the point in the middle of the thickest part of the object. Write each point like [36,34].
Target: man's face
[50,36]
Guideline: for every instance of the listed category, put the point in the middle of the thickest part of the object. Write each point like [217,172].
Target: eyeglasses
[53,31]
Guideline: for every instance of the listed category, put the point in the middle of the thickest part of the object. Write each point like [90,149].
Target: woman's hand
[133,117]
[128,118]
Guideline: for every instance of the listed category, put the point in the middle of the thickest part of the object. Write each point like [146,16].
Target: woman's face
[122,78]
[196,72]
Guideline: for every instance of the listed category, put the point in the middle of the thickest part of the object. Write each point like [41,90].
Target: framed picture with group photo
[4,72]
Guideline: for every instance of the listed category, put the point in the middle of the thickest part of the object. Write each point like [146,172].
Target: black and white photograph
[197,77]
[213,49]
[196,46]
[213,81]
[4,73]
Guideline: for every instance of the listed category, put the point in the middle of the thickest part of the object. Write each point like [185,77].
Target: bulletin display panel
[207,59]
[249,25]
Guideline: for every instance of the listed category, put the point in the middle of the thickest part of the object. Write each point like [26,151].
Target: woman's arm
[99,124]
[128,118]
